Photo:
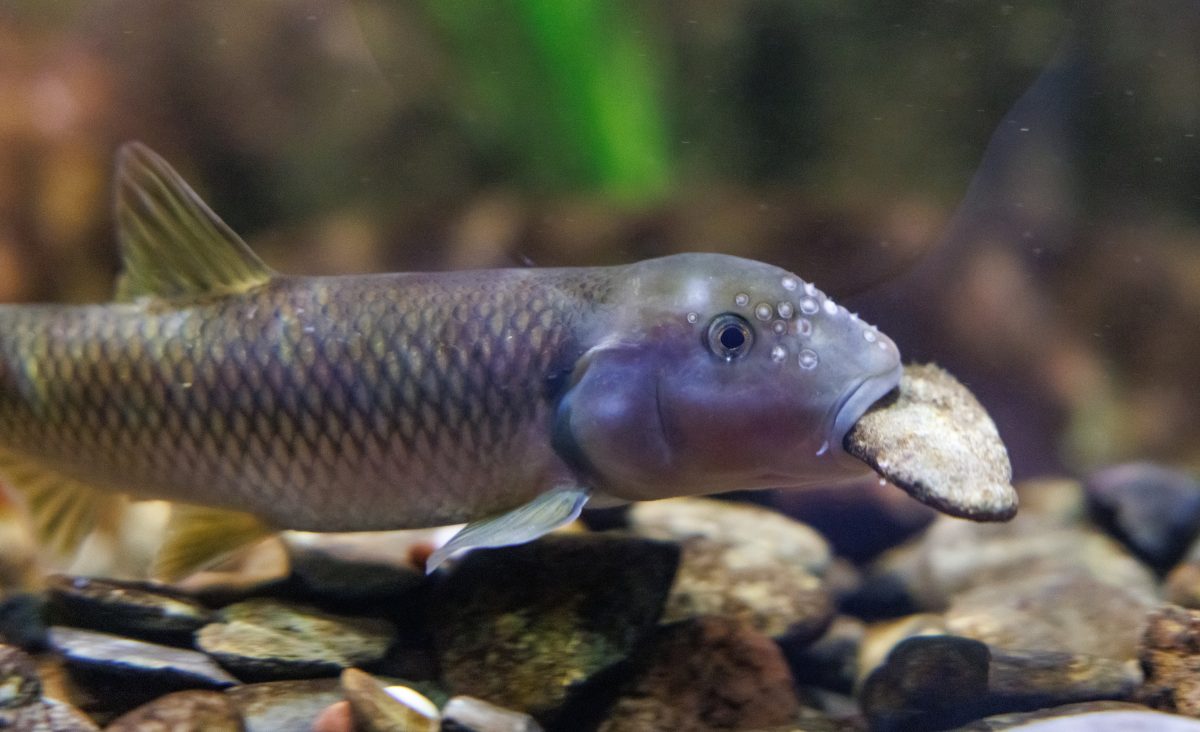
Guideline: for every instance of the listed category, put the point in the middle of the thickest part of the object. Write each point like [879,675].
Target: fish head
[711,373]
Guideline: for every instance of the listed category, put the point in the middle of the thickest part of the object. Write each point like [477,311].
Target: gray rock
[1087,717]
[1154,510]
[468,714]
[46,715]
[126,608]
[935,440]
[396,709]
[526,626]
[284,706]
[1068,611]
[742,562]
[936,682]
[708,673]
[266,639]
[183,711]
[122,673]
[19,682]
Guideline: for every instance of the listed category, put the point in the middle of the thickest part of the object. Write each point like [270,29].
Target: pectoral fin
[549,511]
[63,510]
[199,537]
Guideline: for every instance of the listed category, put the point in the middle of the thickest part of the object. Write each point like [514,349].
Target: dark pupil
[732,337]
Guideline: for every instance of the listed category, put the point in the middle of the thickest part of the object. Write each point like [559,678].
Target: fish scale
[278,403]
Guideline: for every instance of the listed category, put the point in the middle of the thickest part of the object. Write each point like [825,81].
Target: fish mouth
[859,398]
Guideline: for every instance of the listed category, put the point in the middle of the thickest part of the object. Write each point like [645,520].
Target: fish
[505,399]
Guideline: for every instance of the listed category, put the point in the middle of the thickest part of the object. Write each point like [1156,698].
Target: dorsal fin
[172,245]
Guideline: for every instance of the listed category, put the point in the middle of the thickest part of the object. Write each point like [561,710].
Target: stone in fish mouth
[932,438]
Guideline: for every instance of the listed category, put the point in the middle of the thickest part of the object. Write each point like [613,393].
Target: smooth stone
[393,709]
[953,556]
[336,717]
[1104,716]
[526,626]
[743,562]
[935,682]
[353,567]
[880,638]
[183,711]
[284,706]
[126,608]
[46,715]
[1068,611]
[122,673]
[23,621]
[19,682]
[468,714]
[1152,509]
[831,661]
[934,440]
[265,639]
[706,673]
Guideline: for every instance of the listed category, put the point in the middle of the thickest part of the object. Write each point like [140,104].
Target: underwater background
[1009,189]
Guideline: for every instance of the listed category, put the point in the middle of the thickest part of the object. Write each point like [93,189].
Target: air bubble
[804,327]
[741,299]
[831,307]
[693,317]
[809,306]
[779,327]
[789,283]
[786,310]
[808,359]
[762,311]
[778,353]
[869,336]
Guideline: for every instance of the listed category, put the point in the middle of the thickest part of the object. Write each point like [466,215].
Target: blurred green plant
[575,88]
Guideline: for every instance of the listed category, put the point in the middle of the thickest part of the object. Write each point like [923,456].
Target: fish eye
[729,336]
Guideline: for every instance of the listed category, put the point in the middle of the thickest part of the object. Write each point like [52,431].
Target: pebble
[22,620]
[468,714]
[525,626]
[284,706]
[125,608]
[46,715]
[1154,510]
[935,441]
[122,673]
[830,662]
[1104,716]
[1170,656]
[936,682]
[393,709]
[183,711]
[879,639]
[264,639]
[19,682]
[742,562]
[353,567]
[1068,611]
[706,674]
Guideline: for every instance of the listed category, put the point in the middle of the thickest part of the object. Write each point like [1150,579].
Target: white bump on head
[778,353]
[809,306]
[741,299]
[882,346]
[779,327]
[808,359]
[693,317]
[854,317]
[762,311]
[789,283]
[831,307]
[810,289]
[869,336]
[786,310]
[804,327]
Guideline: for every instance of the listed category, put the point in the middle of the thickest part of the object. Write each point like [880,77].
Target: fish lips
[858,399]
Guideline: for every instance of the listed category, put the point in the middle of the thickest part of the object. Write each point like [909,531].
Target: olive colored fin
[172,245]
[198,537]
[549,511]
[63,510]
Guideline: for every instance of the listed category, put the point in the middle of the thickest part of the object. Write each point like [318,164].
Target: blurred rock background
[1010,189]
